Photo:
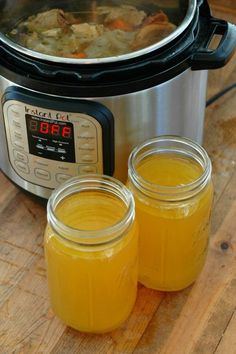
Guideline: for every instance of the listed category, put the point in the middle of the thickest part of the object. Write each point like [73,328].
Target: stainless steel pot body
[174,107]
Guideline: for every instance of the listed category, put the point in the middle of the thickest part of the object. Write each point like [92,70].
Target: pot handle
[205,58]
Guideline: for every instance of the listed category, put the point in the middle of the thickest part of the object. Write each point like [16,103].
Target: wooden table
[198,320]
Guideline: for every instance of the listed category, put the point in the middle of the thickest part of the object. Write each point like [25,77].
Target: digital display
[50,138]
[51,129]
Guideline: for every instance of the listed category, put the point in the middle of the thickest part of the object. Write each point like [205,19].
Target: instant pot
[60,117]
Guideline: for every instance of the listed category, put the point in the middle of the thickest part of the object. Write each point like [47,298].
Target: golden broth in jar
[92,270]
[173,196]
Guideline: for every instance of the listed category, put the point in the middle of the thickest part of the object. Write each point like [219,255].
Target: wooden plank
[218,323]
[27,324]
[21,238]
[9,276]
[219,141]
[224,4]
[221,78]
[15,262]
[29,230]
[8,191]
[228,342]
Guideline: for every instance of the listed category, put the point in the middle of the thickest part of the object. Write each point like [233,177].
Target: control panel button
[87,158]
[87,135]
[42,174]
[15,110]
[51,148]
[61,151]
[87,169]
[87,146]
[19,156]
[19,144]
[17,134]
[16,122]
[41,162]
[60,178]
[63,168]
[22,166]
[85,124]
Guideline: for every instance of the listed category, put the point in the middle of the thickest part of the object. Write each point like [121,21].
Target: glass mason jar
[170,178]
[91,247]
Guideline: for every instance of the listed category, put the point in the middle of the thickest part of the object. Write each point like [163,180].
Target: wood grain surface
[198,320]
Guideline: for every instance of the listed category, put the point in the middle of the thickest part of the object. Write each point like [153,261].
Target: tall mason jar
[91,246]
[170,178]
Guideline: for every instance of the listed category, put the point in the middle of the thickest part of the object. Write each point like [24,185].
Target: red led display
[52,129]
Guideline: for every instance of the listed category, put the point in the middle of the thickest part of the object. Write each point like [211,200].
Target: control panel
[48,146]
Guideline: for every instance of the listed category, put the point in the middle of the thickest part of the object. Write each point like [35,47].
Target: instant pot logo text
[49,115]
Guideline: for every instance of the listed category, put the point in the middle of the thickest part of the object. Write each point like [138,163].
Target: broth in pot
[104,31]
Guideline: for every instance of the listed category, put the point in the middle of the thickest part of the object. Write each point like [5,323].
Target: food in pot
[106,31]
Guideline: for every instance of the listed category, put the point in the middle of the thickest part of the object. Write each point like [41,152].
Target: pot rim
[119,58]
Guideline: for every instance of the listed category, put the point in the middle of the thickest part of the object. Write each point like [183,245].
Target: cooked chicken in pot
[108,31]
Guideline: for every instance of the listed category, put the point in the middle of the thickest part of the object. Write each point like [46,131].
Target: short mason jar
[170,178]
[91,246]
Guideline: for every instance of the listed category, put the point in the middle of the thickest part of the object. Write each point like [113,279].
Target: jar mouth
[170,144]
[91,182]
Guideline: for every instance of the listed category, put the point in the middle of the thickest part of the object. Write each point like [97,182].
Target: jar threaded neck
[169,144]
[104,184]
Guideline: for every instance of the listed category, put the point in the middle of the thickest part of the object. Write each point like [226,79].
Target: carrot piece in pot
[120,24]
[79,55]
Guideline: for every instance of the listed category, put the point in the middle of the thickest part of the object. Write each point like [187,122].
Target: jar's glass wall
[173,215]
[92,272]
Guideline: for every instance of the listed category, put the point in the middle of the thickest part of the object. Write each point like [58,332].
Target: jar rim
[177,192]
[95,182]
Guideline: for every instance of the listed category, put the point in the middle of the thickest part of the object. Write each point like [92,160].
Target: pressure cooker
[63,116]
